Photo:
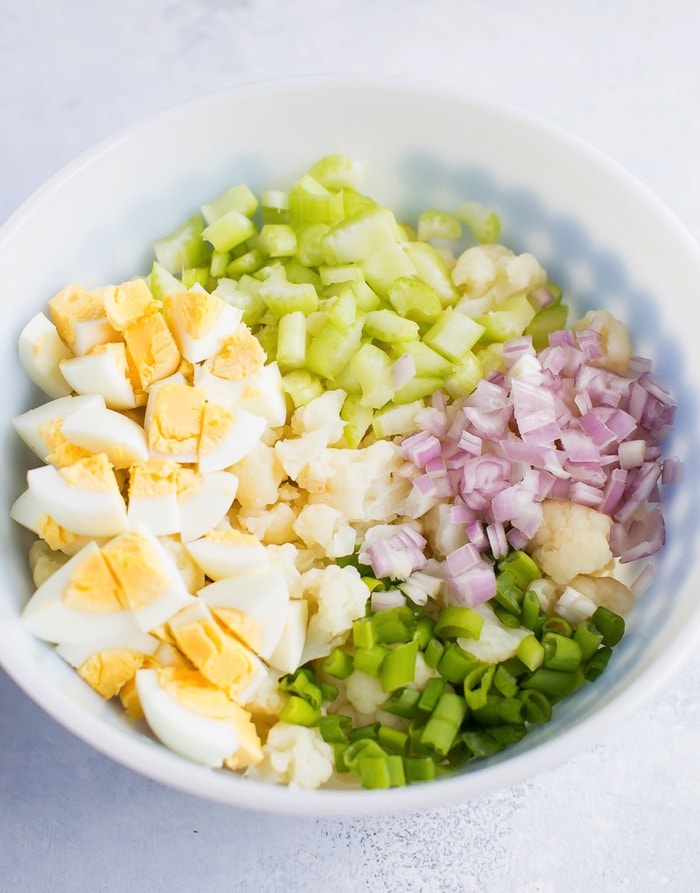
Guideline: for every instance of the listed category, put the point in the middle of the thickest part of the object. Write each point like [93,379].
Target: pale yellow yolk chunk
[108,671]
[62,452]
[232,537]
[152,349]
[74,304]
[94,473]
[117,350]
[129,697]
[55,536]
[92,587]
[196,312]
[240,355]
[193,692]
[128,303]
[241,625]
[221,658]
[176,421]
[136,568]
[155,477]
[217,421]
[188,483]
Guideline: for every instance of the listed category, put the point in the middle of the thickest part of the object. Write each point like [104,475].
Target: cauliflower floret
[285,557]
[422,672]
[323,526]
[259,477]
[336,597]
[321,414]
[365,693]
[571,540]
[268,698]
[442,534]
[617,345]
[44,562]
[496,642]
[606,591]
[487,275]
[270,525]
[295,756]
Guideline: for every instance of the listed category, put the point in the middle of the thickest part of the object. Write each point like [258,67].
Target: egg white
[239,440]
[260,393]
[186,456]
[76,653]
[226,559]
[41,352]
[99,374]
[27,424]
[202,509]
[287,656]
[106,431]
[195,350]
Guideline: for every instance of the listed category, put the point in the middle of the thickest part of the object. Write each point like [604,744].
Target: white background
[622,75]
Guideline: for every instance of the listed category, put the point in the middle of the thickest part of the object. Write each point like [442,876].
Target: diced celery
[310,243]
[358,418]
[438,225]
[267,336]
[346,381]
[490,358]
[315,322]
[332,348]
[465,376]
[308,184]
[238,198]
[232,229]
[251,304]
[371,367]
[357,237]
[163,283]
[299,273]
[301,386]
[218,264]
[453,334]
[414,299]
[482,221]
[366,298]
[393,420]
[509,321]
[250,262]
[338,172]
[548,319]
[428,362]
[194,276]
[387,326]
[275,206]
[417,388]
[184,248]
[310,207]
[291,341]
[430,266]
[355,202]
[277,240]
[333,274]
[284,297]
[386,265]
[342,309]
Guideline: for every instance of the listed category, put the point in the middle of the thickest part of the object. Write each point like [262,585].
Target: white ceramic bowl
[597,231]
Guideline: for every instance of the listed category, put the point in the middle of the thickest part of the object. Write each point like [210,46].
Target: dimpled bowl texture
[598,233]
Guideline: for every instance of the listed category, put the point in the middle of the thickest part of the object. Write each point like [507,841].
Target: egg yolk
[241,625]
[74,304]
[61,451]
[129,697]
[217,422]
[233,537]
[218,656]
[155,477]
[136,568]
[188,483]
[122,360]
[92,587]
[107,671]
[152,349]
[196,312]
[94,473]
[55,536]
[176,420]
[128,303]
[240,356]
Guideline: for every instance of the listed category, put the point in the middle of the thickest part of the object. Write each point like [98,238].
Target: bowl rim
[173,771]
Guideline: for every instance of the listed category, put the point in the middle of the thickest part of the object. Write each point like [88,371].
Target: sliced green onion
[596,664]
[364,632]
[371,730]
[337,664]
[433,653]
[299,712]
[455,663]
[610,624]
[508,593]
[423,632]
[480,743]
[370,660]
[419,768]
[397,775]
[394,741]
[560,652]
[442,727]
[482,221]
[335,728]
[553,683]
[303,683]
[456,621]
[340,749]
[557,625]
[521,567]
[537,705]
[393,625]
[508,734]
[505,682]
[589,637]
[530,652]
[531,615]
[329,691]
[399,666]
[497,710]
[403,702]
[431,694]
[477,684]
[512,621]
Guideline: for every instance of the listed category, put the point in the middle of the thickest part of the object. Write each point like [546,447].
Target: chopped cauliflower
[259,477]
[274,524]
[321,414]
[496,641]
[442,534]
[365,693]
[487,275]
[323,526]
[571,540]
[295,756]
[617,345]
[285,557]
[336,597]
[606,591]
[44,562]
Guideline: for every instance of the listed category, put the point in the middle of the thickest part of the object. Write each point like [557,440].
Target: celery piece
[509,321]
[277,240]
[331,348]
[417,388]
[310,243]
[267,336]
[291,341]
[341,309]
[308,184]
[465,376]
[414,299]
[184,248]
[337,273]
[346,380]
[429,363]
[218,265]
[431,268]
[283,297]
[163,283]
[251,304]
[438,225]
[548,319]
[232,229]
[491,359]
[387,326]
[301,386]
[357,237]
[386,265]
[275,206]
[250,262]
[366,298]
[482,221]
[371,367]
[195,276]
[453,334]
[307,207]
[296,272]
[238,198]
[355,202]
[338,172]
[393,420]
[358,419]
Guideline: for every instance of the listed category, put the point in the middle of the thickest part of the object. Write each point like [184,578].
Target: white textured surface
[622,816]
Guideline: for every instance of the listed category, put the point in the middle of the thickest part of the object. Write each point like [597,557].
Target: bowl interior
[597,232]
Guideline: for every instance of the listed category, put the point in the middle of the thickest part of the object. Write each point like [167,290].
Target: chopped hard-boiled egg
[104,370]
[29,511]
[128,303]
[106,431]
[196,719]
[260,393]
[152,495]
[80,319]
[201,322]
[227,436]
[203,500]
[253,606]
[174,419]
[226,553]
[41,352]
[286,656]
[152,350]
[107,664]
[40,428]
